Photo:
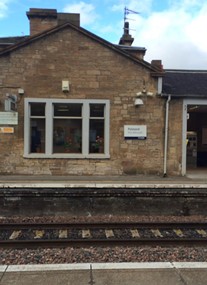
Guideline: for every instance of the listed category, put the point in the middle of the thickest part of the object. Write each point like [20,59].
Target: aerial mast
[127,39]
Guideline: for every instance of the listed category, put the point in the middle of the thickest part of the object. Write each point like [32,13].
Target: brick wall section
[95,72]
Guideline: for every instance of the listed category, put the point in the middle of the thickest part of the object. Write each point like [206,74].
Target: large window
[66,128]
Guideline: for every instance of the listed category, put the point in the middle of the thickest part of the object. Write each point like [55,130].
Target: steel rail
[147,233]
[103,224]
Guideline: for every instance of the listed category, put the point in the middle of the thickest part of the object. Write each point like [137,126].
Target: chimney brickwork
[44,19]
[126,38]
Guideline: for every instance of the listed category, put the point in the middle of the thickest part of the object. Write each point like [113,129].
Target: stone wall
[175,136]
[95,72]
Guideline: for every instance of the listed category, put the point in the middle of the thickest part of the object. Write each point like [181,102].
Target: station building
[72,103]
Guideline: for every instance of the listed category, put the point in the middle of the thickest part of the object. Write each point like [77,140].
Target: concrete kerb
[162,273]
[135,181]
[104,185]
[103,266]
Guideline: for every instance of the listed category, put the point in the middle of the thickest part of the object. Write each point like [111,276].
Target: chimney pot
[126,39]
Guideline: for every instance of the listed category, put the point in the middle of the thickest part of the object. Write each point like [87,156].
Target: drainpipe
[166,135]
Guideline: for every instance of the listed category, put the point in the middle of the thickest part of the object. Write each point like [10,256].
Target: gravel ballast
[104,254]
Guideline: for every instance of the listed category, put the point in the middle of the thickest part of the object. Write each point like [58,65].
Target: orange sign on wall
[7,130]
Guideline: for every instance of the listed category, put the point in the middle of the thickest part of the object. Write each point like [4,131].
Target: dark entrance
[196,136]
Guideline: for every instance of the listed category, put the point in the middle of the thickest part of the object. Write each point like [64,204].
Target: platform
[124,181]
[162,273]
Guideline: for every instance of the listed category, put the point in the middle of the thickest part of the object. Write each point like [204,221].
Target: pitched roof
[12,40]
[8,41]
[183,83]
[28,40]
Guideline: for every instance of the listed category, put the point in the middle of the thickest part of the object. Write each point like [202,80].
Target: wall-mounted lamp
[145,93]
[139,94]
[21,91]
[138,102]
[150,94]
[65,86]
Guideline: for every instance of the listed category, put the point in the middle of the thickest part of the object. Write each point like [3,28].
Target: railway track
[33,235]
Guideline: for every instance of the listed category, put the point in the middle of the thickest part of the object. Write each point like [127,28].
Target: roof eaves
[184,95]
[185,71]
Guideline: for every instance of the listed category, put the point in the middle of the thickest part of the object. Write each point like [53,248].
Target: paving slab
[154,273]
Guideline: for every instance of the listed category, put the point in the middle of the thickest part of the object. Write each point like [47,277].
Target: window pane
[67,110]
[37,109]
[97,110]
[67,136]
[96,137]
[37,135]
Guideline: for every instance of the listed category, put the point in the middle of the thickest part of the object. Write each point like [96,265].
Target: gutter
[186,96]
[166,135]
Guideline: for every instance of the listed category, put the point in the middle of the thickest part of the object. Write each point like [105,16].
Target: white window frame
[49,128]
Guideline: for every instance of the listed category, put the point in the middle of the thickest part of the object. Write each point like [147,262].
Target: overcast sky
[171,30]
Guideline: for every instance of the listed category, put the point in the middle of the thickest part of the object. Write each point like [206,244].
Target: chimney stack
[126,38]
[44,19]
[157,63]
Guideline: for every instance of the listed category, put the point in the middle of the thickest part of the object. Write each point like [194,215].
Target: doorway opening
[196,138]
[194,146]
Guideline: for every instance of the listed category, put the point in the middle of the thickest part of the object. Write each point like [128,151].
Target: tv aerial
[126,13]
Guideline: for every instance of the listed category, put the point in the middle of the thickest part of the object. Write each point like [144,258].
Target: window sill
[67,155]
